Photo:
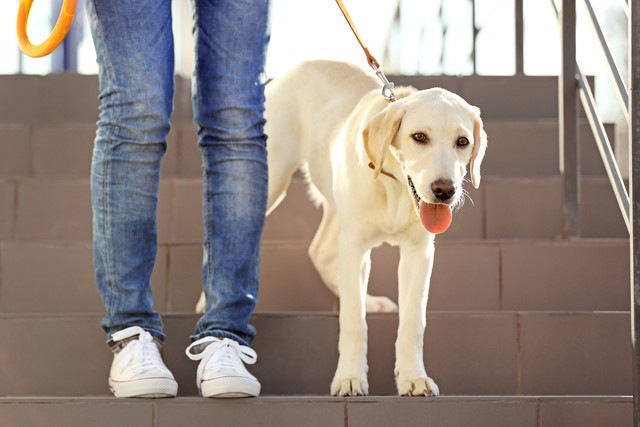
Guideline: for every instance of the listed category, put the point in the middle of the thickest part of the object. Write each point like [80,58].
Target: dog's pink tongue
[435,218]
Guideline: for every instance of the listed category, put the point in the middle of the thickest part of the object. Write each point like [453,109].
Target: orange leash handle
[55,38]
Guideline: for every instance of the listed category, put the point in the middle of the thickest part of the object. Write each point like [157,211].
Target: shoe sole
[150,388]
[230,387]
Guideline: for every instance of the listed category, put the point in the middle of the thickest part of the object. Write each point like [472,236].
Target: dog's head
[433,134]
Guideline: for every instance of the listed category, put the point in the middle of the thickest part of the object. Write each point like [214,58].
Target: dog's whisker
[466,195]
[462,200]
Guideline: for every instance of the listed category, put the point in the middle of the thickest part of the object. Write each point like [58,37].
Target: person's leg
[231,38]
[134,46]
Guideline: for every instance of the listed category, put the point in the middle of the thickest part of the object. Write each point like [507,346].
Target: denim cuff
[116,346]
[220,334]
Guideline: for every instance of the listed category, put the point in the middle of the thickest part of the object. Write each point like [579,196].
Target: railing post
[634,176]
[65,58]
[568,112]
[519,37]
[474,45]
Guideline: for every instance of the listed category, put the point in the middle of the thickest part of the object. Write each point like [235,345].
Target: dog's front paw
[417,387]
[376,304]
[349,387]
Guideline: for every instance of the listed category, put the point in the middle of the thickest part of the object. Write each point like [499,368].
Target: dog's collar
[411,186]
[383,172]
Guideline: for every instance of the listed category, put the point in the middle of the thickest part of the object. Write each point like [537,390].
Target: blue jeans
[134,46]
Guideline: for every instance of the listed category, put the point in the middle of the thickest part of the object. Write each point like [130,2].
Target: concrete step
[531,208]
[67,98]
[502,208]
[513,208]
[467,353]
[531,148]
[499,97]
[308,411]
[63,151]
[42,277]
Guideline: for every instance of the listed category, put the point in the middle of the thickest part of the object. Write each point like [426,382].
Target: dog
[382,172]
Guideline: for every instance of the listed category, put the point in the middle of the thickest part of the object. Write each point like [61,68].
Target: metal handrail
[568,121]
[572,80]
[597,127]
[622,92]
[602,141]
[634,177]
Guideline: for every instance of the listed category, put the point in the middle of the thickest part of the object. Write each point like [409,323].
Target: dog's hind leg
[324,247]
[281,170]
[323,252]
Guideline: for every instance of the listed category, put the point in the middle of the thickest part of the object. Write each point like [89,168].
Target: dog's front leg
[414,274]
[354,262]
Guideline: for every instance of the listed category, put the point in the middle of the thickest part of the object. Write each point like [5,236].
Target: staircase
[524,328]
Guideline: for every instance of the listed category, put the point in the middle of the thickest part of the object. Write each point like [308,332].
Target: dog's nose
[443,189]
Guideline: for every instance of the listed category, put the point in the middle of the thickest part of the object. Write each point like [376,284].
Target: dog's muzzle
[436,218]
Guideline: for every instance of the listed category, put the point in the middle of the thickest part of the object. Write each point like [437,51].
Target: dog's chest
[396,213]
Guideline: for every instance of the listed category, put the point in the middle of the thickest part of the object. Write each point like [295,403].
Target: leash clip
[387,89]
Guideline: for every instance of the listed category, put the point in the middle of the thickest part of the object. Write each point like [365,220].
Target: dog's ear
[380,132]
[479,148]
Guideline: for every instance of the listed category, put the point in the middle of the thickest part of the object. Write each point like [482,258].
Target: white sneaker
[221,372]
[138,370]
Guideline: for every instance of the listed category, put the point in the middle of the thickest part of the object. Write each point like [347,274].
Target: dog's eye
[420,137]
[462,142]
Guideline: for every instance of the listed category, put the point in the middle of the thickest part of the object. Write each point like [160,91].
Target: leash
[387,89]
[58,33]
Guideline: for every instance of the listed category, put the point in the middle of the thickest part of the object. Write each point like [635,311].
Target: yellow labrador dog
[383,172]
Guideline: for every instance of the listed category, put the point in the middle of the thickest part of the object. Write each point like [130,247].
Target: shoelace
[228,353]
[138,354]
